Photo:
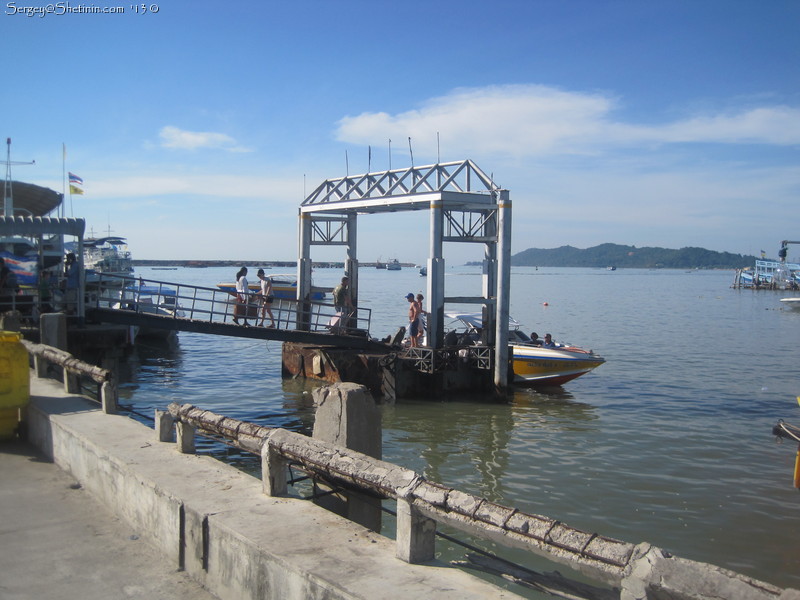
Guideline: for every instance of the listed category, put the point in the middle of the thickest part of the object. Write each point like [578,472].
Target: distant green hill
[606,255]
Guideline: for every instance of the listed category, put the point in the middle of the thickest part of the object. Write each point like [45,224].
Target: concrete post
[273,471]
[185,438]
[416,534]
[108,397]
[346,415]
[164,426]
[71,382]
[53,330]
[40,365]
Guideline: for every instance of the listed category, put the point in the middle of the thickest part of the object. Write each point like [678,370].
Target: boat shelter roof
[34,226]
[34,200]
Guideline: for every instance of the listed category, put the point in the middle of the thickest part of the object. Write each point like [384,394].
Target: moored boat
[393,265]
[283,286]
[151,299]
[534,365]
[791,303]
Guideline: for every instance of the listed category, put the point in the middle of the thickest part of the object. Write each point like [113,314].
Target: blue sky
[197,129]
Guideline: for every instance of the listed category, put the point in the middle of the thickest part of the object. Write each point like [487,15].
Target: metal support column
[503,289]
[351,262]
[304,268]
[436,271]
[489,283]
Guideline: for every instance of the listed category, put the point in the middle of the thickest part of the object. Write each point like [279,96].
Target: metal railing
[180,301]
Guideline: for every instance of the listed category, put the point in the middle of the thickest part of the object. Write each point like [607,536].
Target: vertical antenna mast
[8,194]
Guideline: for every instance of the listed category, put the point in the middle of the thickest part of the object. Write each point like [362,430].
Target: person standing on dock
[266,298]
[242,296]
[342,302]
[413,319]
[423,320]
[72,282]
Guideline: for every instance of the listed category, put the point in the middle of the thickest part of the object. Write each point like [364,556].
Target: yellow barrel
[797,469]
[15,386]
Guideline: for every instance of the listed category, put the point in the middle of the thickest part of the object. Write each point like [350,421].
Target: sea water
[668,442]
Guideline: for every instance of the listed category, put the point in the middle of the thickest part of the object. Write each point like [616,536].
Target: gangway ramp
[180,307]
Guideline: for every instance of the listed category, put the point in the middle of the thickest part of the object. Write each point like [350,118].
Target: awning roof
[33,200]
[10,226]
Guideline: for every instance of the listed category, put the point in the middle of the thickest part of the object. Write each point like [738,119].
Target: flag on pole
[75,179]
[75,190]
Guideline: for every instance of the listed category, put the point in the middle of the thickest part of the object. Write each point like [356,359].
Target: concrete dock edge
[215,522]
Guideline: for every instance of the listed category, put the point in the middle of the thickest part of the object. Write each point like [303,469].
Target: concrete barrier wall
[215,522]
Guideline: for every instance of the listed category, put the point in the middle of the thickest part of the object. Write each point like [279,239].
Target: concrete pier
[215,523]
[58,542]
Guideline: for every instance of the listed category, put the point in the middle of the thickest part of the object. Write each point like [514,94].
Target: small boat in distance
[283,286]
[379,264]
[535,366]
[423,271]
[791,303]
[393,265]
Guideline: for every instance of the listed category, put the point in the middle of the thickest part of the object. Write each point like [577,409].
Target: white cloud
[172,137]
[534,120]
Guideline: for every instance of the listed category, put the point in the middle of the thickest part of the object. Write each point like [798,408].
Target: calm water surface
[669,442]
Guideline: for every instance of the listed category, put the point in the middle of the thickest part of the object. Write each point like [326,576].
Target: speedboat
[283,286]
[791,303]
[534,365]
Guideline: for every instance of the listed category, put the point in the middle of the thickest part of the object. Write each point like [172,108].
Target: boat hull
[286,291]
[791,303]
[534,366]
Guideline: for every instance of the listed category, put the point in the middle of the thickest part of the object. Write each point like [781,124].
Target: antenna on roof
[411,152]
[438,155]
[369,159]
[8,195]
[390,154]
[346,164]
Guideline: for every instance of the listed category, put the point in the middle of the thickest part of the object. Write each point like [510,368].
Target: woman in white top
[242,294]
[266,298]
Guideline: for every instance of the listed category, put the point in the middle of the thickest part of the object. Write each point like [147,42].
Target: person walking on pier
[242,296]
[266,298]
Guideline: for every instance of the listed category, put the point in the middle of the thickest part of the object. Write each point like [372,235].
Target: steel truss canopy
[466,195]
[414,188]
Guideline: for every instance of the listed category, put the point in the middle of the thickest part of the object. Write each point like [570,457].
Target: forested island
[616,255]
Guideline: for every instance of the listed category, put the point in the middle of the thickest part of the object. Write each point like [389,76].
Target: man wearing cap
[413,319]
